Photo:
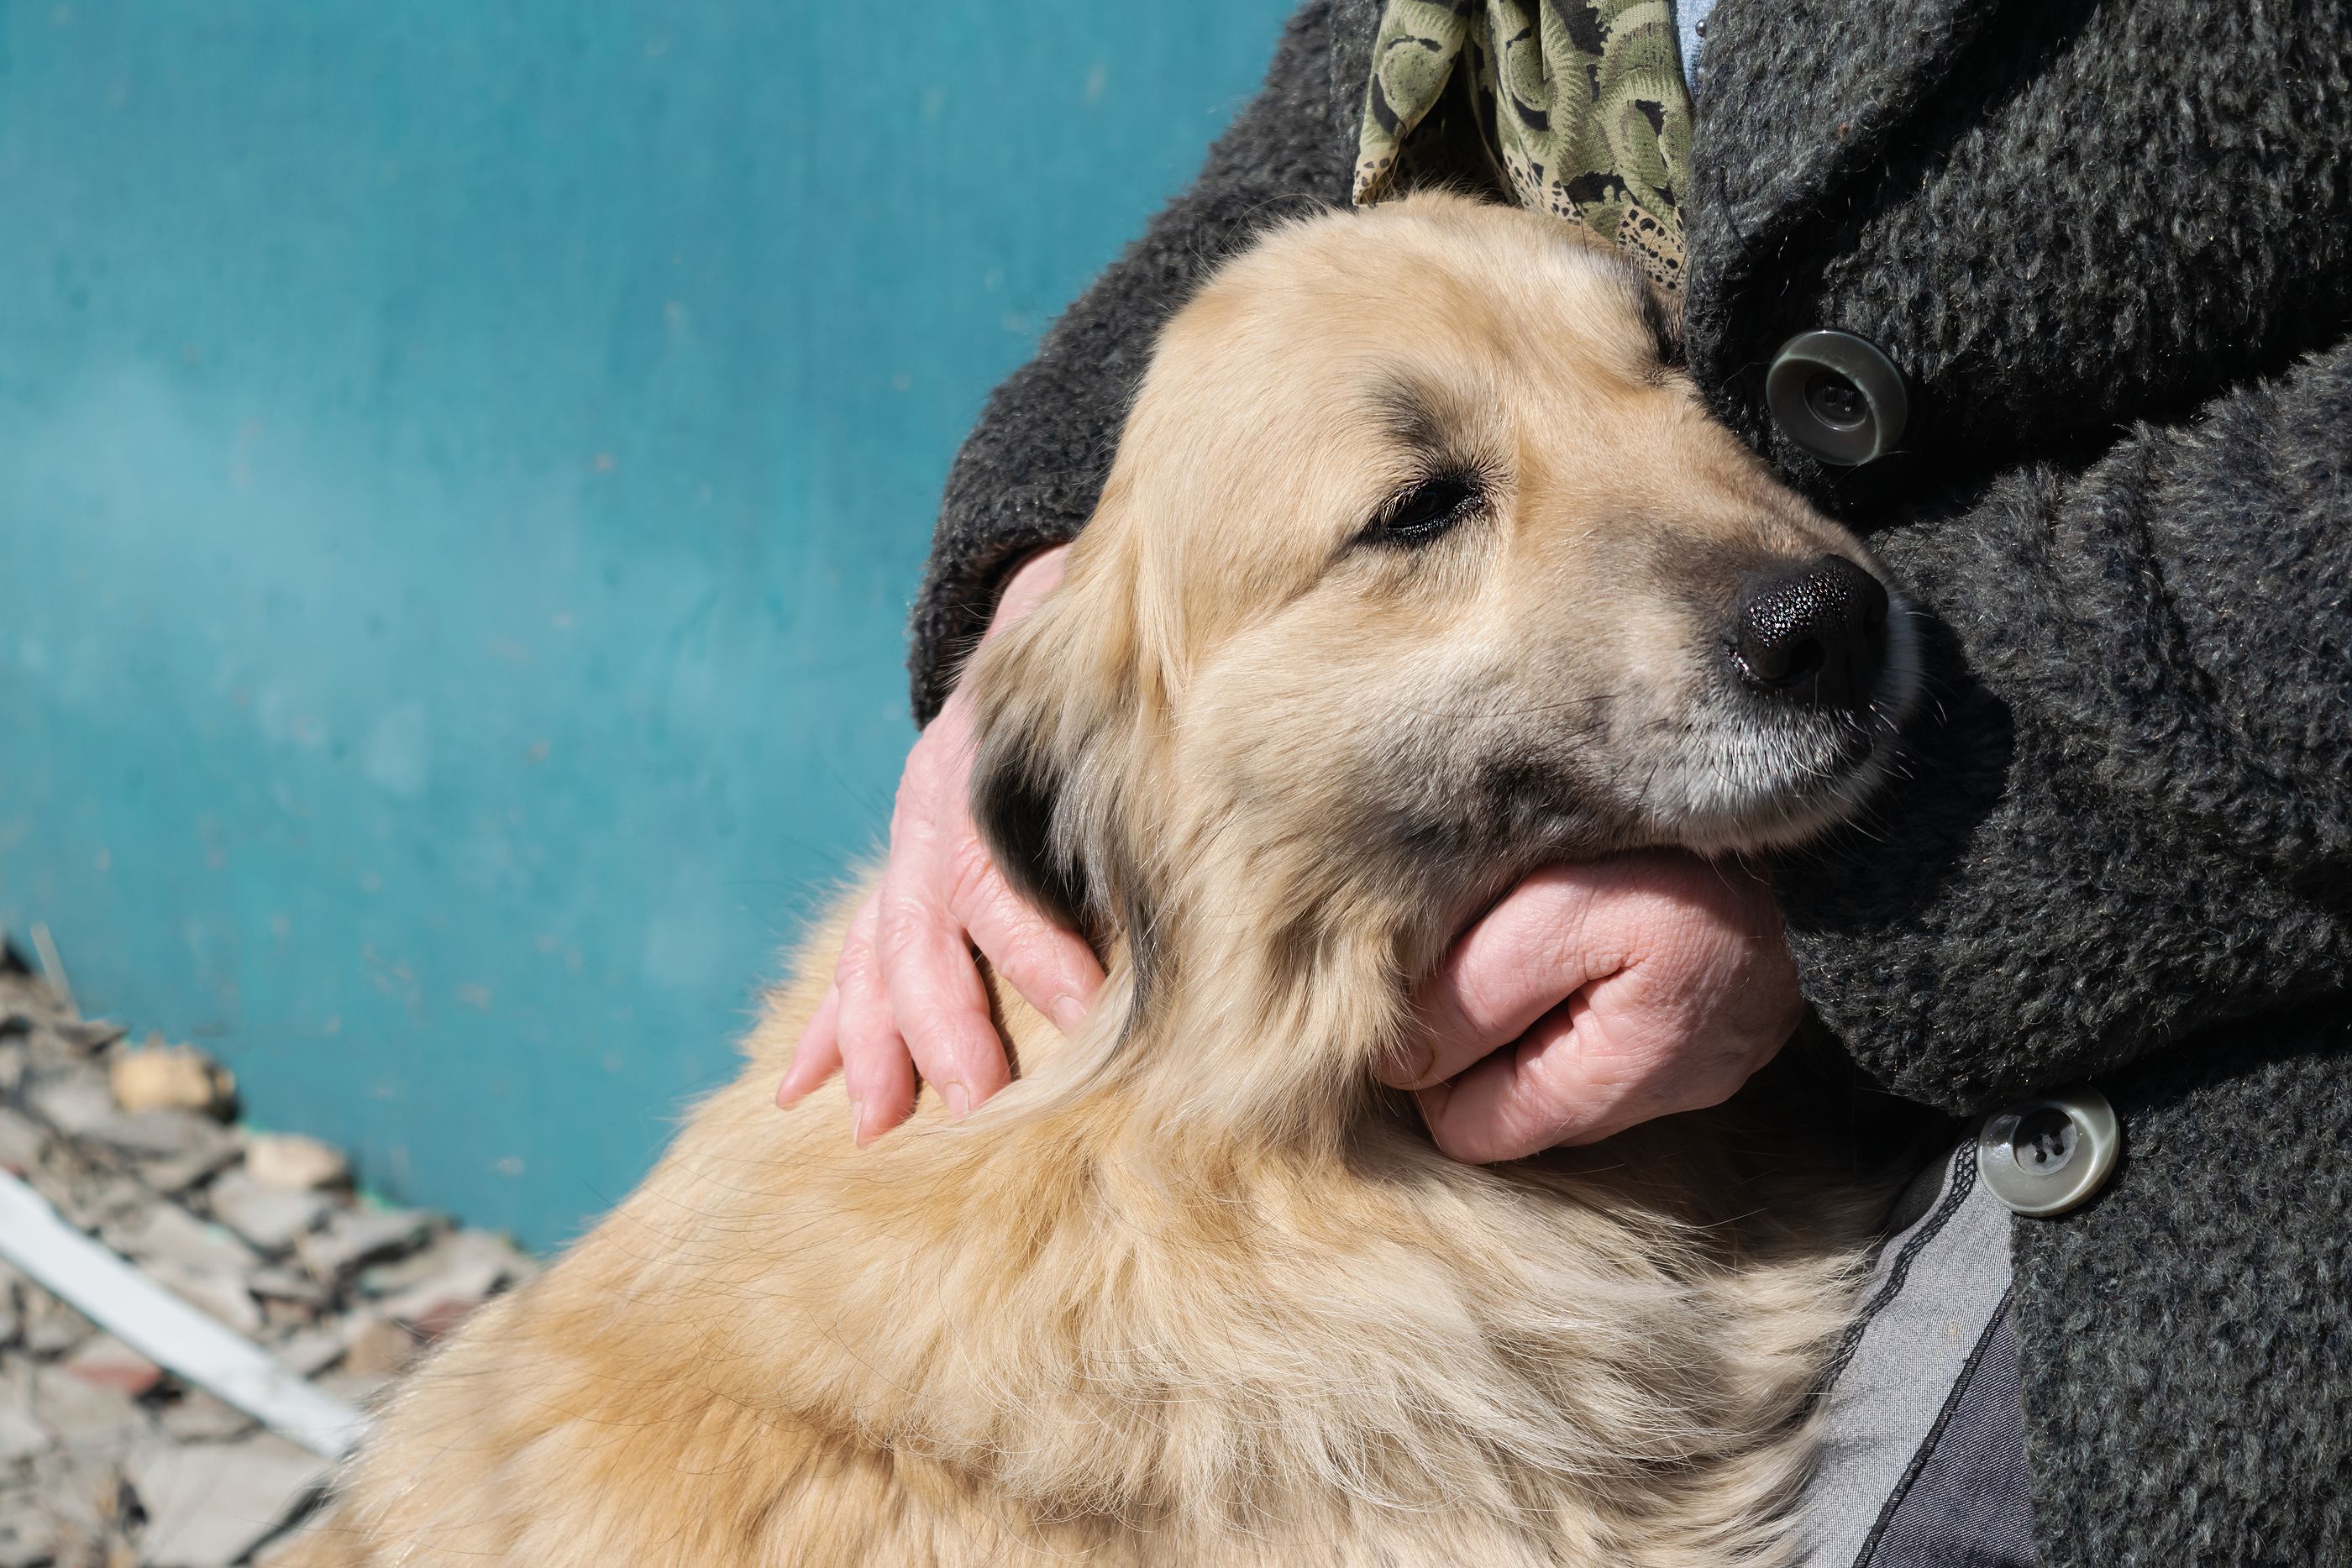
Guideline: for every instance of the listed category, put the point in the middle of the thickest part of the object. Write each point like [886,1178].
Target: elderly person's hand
[906,995]
[1591,997]
[1598,996]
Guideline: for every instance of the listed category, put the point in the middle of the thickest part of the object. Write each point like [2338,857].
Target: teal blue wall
[463,467]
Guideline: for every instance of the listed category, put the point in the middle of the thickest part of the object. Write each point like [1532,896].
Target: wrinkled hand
[906,995]
[1596,996]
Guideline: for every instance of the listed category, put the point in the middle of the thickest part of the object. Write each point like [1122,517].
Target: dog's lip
[1828,766]
[1783,818]
[1853,742]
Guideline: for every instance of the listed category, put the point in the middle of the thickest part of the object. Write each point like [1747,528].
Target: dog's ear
[1056,715]
[1016,782]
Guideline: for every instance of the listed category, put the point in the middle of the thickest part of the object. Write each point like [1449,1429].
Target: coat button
[2045,1156]
[1837,396]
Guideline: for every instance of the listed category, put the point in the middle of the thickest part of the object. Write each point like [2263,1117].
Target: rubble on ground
[107,1458]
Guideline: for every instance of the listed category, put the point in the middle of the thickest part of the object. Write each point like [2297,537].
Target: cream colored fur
[1195,1290]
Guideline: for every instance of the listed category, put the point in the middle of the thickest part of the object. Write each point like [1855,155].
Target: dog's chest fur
[1085,1337]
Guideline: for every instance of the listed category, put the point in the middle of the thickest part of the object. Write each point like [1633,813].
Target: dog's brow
[1415,414]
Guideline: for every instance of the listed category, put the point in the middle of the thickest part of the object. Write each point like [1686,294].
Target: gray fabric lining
[1939,1287]
[1969,1499]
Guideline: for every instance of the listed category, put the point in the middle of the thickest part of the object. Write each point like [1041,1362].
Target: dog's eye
[1427,510]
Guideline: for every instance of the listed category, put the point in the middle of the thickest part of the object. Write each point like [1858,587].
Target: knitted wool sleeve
[1029,474]
[2129,814]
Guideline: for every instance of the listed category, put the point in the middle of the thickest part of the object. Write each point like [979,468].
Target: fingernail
[857,1123]
[1407,1063]
[785,1096]
[1070,1014]
[959,1100]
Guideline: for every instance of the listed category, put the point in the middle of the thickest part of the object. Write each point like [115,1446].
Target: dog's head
[1420,564]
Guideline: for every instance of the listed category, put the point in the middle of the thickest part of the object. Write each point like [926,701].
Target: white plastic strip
[166,1329]
[53,969]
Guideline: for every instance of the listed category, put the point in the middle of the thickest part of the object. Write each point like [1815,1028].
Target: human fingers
[1519,960]
[937,997]
[1510,1104]
[1699,929]
[928,970]
[1049,965]
[1592,1067]
[875,1065]
[937,1001]
[1694,990]
[817,1055]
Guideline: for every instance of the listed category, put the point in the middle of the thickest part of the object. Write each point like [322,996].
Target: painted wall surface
[463,467]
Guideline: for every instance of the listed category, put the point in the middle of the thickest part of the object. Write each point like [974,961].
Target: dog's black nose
[1816,635]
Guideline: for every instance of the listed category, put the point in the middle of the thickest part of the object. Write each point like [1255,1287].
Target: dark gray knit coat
[2110,244]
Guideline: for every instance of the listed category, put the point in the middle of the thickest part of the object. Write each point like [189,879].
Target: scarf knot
[1582,102]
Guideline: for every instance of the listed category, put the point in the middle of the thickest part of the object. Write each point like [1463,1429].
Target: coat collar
[1800,96]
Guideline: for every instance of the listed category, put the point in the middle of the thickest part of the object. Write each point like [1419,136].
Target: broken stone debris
[270,1218]
[289,1159]
[51,1328]
[354,1237]
[28,1535]
[156,1077]
[171,1150]
[106,1362]
[106,1459]
[197,1417]
[209,1503]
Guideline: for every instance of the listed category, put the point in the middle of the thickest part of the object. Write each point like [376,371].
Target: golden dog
[1420,566]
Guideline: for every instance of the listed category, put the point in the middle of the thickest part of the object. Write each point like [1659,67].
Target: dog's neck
[1265,1045]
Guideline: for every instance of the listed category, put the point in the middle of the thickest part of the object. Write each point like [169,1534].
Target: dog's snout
[1816,635]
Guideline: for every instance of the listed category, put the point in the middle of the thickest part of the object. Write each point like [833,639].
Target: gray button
[2045,1156]
[1837,396]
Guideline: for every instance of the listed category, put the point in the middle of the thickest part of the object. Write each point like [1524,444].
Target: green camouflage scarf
[1581,100]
